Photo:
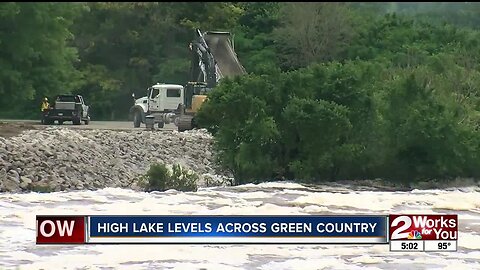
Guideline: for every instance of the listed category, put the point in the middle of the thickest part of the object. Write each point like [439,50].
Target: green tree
[254,39]
[313,32]
[308,123]
[36,57]
[245,132]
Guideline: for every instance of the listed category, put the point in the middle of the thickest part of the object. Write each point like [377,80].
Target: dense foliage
[334,90]
[400,101]
[159,177]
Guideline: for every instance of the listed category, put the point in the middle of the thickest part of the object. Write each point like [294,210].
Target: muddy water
[17,228]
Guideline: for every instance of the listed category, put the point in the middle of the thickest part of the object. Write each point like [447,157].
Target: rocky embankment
[59,158]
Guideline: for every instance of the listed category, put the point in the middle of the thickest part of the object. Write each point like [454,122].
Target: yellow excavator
[213,58]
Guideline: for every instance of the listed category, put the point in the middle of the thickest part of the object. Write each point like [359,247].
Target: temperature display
[440,245]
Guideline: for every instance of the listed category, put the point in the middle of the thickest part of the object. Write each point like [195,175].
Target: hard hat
[46,99]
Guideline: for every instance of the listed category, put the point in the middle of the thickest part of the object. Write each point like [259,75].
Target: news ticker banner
[403,232]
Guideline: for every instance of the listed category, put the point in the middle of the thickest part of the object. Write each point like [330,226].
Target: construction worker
[44,107]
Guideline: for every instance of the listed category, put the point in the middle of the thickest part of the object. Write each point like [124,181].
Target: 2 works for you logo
[423,227]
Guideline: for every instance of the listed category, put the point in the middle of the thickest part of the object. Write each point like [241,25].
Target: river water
[17,228]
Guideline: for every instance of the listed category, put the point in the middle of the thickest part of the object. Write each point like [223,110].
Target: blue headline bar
[238,226]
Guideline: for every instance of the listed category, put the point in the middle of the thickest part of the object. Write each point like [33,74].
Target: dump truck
[213,58]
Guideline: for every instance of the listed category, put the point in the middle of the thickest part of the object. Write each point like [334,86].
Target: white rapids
[17,228]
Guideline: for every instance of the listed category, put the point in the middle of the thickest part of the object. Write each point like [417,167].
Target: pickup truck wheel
[77,121]
[137,118]
[161,124]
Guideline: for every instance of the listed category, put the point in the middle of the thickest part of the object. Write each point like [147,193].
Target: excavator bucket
[222,48]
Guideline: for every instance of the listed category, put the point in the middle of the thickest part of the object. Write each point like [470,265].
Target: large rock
[25,182]
[3,174]
[10,184]
[14,175]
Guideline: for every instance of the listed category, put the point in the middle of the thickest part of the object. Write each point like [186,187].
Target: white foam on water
[469,217]
[136,254]
[468,240]
[367,200]
[378,201]
[285,185]
[272,209]
[17,233]
[469,255]
[366,259]
[315,209]
[253,195]
[314,264]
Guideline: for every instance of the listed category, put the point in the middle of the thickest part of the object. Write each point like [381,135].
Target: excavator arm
[204,66]
[213,58]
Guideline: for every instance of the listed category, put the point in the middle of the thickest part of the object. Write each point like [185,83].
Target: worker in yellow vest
[44,107]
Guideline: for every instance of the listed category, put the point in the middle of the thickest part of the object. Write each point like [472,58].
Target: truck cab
[164,97]
[162,103]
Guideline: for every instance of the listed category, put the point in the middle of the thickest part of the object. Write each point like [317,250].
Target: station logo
[423,227]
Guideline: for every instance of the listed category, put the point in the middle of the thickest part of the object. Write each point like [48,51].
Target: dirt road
[12,127]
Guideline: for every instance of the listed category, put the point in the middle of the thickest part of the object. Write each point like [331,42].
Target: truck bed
[61,105]
[227,60]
